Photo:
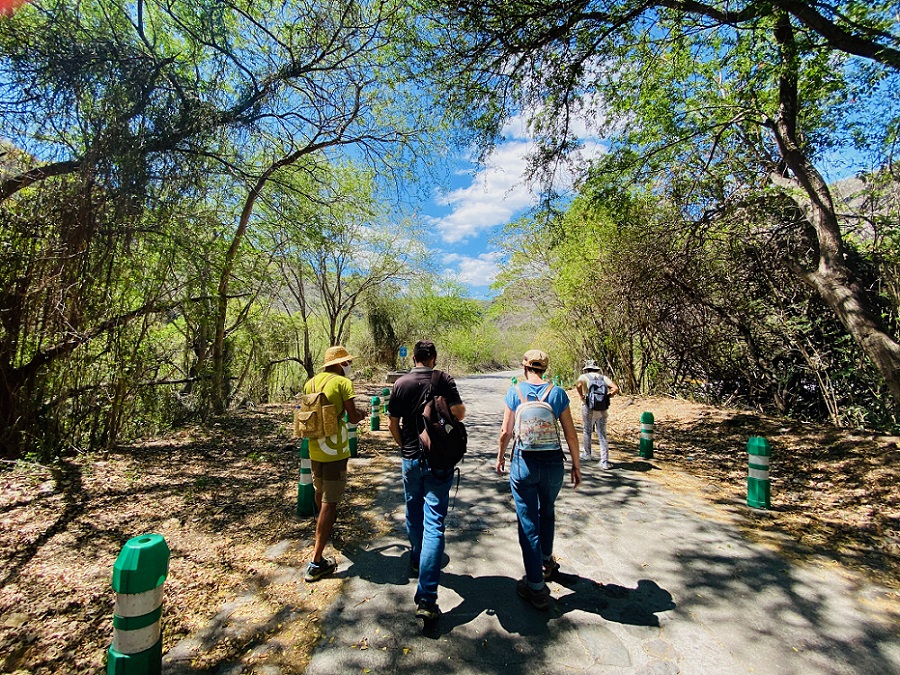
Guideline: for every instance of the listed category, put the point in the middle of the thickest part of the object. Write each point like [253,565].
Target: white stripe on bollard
[759,460]
[760,474]
[135,641]
[138,604]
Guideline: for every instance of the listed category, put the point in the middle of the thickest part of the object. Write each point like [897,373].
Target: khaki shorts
[330,479]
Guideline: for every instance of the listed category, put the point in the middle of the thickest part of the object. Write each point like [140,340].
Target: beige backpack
[315,417]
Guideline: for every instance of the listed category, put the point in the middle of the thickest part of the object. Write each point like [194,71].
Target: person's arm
[353,414]
[571,437]
[613,388]
[459,411]
[506,434]
[579,387]
[394,428]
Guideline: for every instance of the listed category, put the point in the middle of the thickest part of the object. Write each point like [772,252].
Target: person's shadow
[496,595]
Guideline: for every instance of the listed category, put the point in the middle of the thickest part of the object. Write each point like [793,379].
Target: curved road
[650,584]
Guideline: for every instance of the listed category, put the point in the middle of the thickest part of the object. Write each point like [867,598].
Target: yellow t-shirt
[337,389]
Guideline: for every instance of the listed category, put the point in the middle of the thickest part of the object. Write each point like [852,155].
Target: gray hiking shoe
[316,571]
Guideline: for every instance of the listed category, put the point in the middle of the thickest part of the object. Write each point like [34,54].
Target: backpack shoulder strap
[324,382]
[432,385]
[519,392]
[543,397]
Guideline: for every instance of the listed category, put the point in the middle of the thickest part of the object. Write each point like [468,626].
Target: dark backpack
[442,437]
[597,394]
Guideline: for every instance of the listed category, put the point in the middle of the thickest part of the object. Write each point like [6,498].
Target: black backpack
[442,437]
[597,394]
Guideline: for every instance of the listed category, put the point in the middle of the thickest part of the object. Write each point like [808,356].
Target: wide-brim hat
[590,364]
[336,354]
[535,358]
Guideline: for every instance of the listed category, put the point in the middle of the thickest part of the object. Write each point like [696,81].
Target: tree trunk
[833,280]
[10,441]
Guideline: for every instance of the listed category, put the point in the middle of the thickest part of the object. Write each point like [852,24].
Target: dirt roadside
[224,499]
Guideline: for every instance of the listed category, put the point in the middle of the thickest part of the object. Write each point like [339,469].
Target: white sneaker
[584,457]
[604,466]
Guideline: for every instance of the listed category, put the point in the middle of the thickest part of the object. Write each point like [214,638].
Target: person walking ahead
[536,469]
[593,417]
[427,490]
[329,454]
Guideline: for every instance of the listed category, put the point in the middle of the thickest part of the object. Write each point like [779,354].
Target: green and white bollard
[514,380]
[758,487]
[386,398]
[375,420]
[138,576]
[351,437]
[305,490]
[647,431]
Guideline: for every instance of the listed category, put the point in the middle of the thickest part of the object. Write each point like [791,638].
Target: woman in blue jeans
[537,466]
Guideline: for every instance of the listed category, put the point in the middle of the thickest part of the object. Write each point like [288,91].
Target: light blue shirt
[558,398]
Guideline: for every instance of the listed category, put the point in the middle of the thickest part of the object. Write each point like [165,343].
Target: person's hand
[501,464]
[576,476]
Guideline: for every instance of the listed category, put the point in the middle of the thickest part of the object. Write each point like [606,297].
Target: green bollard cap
[142,565]
[376,400]
[646,418]
[514,379]
[757,445]
[385,392]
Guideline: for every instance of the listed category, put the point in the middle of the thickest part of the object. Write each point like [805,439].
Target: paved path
[651,584]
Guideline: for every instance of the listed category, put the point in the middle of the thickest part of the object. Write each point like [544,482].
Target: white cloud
[479,271]
[498,191]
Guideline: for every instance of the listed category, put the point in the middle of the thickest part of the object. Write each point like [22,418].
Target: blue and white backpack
[535,428]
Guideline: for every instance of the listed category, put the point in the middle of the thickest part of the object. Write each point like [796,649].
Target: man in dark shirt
[427,491]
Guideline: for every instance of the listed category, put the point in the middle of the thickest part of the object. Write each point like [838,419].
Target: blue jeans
[427,498]
[535,484]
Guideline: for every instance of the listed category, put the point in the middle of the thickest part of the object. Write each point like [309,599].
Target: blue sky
[479,202]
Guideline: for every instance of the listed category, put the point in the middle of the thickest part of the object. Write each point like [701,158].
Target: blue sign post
[402,352]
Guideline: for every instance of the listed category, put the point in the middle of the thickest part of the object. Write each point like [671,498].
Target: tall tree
[337,243]
[121,113]
[725,103]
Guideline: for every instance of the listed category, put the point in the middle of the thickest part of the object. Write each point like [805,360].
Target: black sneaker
[551,567]
[538,599]
[429,611]
[316,571]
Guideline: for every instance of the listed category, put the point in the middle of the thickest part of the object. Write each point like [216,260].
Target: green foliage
[137,140]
